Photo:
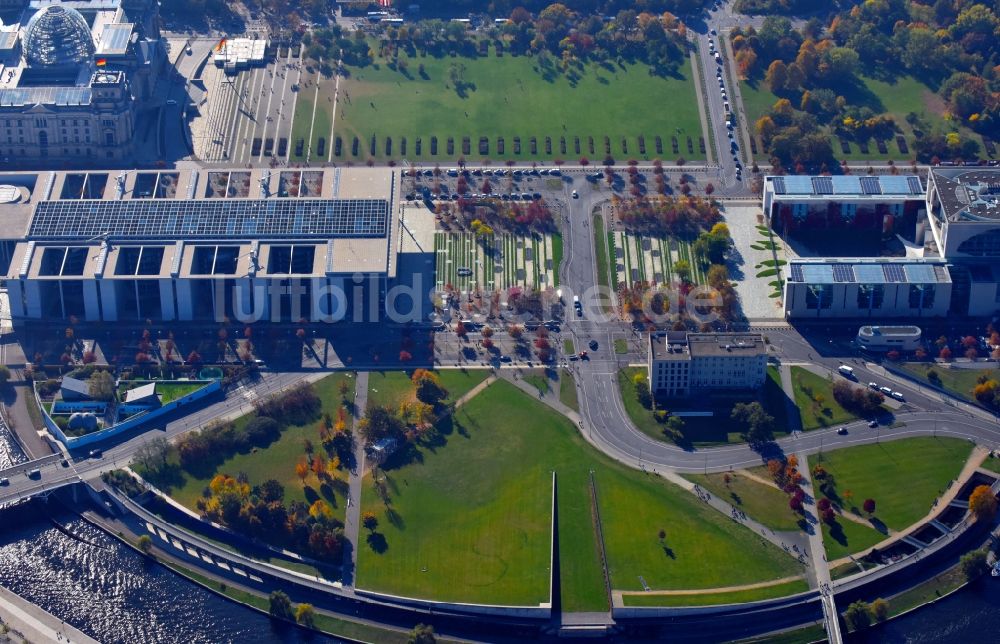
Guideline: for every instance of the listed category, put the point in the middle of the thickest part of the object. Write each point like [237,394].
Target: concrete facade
[683,363]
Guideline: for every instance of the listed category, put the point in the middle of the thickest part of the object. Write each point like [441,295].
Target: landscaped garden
[468,512]
[469,262]
[286,453]
[514,107]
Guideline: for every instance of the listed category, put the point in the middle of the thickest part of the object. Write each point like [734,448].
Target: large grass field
[814,398]
[512,97]
[897,99]
[276,461]
[903,476]
[958,382]
[766,504]
[710,599]
[390,388]
[474,513]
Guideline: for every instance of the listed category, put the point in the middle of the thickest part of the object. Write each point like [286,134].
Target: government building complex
[73,76]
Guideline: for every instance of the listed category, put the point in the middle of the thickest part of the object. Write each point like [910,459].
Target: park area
[468,517]
[814,398]
[505,107]
[392,388]
[903,477]
[957,381]
[497,262]
[896,98]
[275,461]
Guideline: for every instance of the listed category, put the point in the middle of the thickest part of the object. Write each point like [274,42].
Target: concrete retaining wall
[646,612]
[542,611]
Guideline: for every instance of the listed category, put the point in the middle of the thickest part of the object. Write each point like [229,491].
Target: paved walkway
[821,567]
[699,88]
[703,591]
[34,624]
[352,519]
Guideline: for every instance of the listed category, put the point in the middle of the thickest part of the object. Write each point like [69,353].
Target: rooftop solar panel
[869,274]
[920,273]
[870,185]
[26,96]
[115,39]
[210,218]
[843,273]
[779,185]
[799,185]
[915,187]
[894,185]
[796,271]
[894,273]
[822,185]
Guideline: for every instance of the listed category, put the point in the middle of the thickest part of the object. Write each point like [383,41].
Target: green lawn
[805,635]
[992,464]
[807,387]
[849,538]
[568,347]
[276,461]
[474,513]
[903,476]
[928,591]
[538,379]
[302,123]
[601,251]
[897,99]
[958,382]
[702,548]
[394,387]
[621,345]
[567,390]
[764,503]
[711,599]
[511,96]
[170,392]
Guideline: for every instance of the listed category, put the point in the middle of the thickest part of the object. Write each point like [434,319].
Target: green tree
[974,564]
[279,606]
[880,610]
[4,375]
[758,425]
[422,634]
[858,616]
[682,268]
[101,386]
[305,614]
[369,521]
[145,543]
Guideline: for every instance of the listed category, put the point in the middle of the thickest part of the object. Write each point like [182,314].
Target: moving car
[873,385]
[842,431]
[873,423]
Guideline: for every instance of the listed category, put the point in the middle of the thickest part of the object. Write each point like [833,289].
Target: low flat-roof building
[867,288]
[889,338]
[682,363]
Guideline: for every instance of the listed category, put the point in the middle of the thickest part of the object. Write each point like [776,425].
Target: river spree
[114,594]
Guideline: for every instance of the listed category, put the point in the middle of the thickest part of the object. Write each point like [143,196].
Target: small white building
[889,338]
[682,363]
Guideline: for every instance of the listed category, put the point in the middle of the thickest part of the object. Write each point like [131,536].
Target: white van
[846,371]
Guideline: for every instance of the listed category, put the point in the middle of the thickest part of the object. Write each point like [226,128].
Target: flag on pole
[222,43]
[101,62]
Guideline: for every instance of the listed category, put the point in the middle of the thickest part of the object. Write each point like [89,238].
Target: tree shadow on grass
[376,541]
[395,518]
[879,525]
[311,495]
[327,491]
[837,534]
[667,550]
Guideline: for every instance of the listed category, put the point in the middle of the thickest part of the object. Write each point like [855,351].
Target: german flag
[101,62]
[222,43]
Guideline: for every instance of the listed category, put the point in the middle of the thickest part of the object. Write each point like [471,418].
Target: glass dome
[57,36]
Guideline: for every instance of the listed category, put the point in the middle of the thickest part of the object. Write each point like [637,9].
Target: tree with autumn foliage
[983,503]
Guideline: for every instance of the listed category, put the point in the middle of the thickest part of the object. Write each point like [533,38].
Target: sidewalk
[352,518]
[34,624]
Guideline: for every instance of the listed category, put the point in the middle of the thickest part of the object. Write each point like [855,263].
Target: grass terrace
[510,101]
[956,381]
[904,477]
[765,503]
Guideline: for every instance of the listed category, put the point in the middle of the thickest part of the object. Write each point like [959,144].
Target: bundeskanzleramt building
[203,245]
[72,75]
[684,363]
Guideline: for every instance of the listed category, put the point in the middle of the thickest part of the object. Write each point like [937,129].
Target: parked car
[897,395]
[873,385]
[885,390]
